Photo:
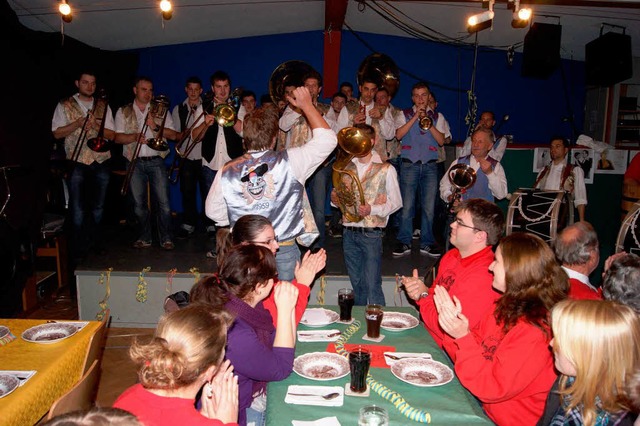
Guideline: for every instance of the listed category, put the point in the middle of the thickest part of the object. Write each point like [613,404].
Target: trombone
[99,143]
[101,99]
[158,110]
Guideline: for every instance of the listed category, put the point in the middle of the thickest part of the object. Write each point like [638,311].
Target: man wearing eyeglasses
[464,270]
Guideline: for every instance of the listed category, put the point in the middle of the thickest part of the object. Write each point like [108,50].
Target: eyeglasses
[461,223]
[268,242]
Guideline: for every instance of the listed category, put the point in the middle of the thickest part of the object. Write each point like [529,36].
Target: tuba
[353,143]
[462,177]
[380,69]
[290,73]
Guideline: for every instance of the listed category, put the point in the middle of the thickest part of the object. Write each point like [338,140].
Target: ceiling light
[521,17]
[65,11]
[482,20]
[166,8]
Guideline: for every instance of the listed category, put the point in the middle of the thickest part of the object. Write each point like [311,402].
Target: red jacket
[510,373]
[303,299]
[470,281]
[579,291]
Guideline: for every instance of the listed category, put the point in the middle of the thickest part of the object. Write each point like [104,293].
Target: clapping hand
[450,316]
[220,396]
[413,285]
[286,296]
[312,263]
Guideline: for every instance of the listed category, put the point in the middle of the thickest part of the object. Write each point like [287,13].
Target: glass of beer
[345,301]
[373,315]
[359,362]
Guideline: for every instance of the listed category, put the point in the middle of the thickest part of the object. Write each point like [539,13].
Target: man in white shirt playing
[560,175]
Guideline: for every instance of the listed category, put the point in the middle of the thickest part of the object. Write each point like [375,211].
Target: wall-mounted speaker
[541,54]
[608,59]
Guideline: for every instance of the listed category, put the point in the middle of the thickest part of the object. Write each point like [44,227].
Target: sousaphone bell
[290,73]
[382,70]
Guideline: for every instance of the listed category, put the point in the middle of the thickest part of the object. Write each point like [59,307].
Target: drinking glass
[359,362]
[373,315]
[372,415]
[346,299]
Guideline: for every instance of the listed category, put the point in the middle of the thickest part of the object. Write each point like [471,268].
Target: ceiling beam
[334,13]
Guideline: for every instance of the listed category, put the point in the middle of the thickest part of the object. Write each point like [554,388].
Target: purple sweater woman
[258,351]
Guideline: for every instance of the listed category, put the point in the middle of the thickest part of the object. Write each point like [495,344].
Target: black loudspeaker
[541,54]
[608,59]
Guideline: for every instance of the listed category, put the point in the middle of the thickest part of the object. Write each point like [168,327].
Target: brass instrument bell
[100,143]
[290,73]
[159,109]
[462,177]
[381,69]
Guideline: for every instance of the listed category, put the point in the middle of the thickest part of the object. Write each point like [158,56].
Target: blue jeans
[87,192]
[319,184]
[208,176]
[286,259]
[255,418]
[151,170]
[362,257]
[424,178]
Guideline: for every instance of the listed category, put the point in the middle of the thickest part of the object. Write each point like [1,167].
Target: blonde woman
[596,346]
[184,357]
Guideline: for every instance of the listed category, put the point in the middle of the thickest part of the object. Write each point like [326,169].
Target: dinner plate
[398,321]
[4,331]
[321,366]
[422,372]
[49,333]
[8,384]
[331,317]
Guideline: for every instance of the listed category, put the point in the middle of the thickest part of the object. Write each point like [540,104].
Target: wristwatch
[423,295]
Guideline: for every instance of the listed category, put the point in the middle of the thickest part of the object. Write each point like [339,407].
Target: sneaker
[140,244]
[416,234]
[401,249]
[432,250]
[183,234]
[211,254]
[168,245]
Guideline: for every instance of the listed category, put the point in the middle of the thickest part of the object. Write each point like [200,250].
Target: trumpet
[426,121]
[158,112]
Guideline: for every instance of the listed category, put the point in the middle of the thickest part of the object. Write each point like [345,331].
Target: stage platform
[166,272]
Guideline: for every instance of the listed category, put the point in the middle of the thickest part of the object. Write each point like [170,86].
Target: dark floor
[121,256]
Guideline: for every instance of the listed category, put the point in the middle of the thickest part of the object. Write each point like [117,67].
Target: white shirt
[497,180]
[339,121]
[580,277]
[554,179]
[394,199]
[497,152]
[221,156]
[303,161]
[145,151]
[60,117]
[386,122]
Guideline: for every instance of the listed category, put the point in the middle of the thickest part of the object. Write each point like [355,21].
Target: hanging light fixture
[65,11]
[167,9]
[482,20]
[521,16]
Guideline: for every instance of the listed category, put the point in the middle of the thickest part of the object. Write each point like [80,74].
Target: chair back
[81,396]
[96,344]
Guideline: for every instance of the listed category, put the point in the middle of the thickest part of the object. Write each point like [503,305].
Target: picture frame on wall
[611,162]
[541,158]
[583,158]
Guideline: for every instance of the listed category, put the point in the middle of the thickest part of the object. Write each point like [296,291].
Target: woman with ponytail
[184,357]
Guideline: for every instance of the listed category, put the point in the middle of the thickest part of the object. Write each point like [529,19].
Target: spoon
[320,334]
[328,396]
[397,358]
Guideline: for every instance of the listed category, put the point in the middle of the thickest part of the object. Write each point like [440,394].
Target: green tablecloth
[449,404]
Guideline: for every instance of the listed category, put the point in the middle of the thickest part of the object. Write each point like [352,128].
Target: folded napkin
[325,421]
[319,335]
[315,316]
[404,355]
[22,375]
[314,397]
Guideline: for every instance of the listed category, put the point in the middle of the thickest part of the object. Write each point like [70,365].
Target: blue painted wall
[537,108]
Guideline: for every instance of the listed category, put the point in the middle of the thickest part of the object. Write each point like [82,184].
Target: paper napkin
[314,397]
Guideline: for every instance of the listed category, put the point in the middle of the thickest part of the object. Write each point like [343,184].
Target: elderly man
[491,181]
[577,250]
[559,175]
[622,280]
[498,147]
[464,270]
[271,183]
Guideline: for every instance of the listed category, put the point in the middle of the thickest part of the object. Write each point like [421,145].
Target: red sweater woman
[505,360]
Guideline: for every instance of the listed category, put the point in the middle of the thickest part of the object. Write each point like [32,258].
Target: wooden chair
[80,397]
[96,344]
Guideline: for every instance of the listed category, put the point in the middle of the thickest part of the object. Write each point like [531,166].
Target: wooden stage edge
[122,287]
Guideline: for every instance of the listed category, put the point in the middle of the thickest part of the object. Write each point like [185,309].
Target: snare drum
[543,213]
[629,235]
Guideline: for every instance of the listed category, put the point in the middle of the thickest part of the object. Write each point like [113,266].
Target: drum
[629,235]
[630,195]
[542,213]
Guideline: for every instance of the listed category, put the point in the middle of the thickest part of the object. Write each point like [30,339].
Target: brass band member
[90,169]
[149,168]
